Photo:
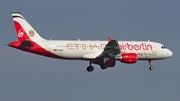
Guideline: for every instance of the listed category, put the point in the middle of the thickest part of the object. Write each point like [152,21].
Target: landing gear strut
[90,68]
[150,63]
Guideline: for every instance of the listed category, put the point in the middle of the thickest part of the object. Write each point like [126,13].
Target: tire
[104,66]
[151,68]
[90,68]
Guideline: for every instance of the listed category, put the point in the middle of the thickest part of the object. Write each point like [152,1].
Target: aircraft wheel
[90,68]
[151,68]
[104,66]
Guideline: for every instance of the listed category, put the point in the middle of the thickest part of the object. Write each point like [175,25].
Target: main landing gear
[90,68]
[103,66]
[150,63]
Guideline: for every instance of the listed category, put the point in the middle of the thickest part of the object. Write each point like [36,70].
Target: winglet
[109,39]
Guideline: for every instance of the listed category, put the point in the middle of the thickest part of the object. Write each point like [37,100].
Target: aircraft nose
[169,53]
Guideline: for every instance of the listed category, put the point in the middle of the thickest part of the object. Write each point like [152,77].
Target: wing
[111,49]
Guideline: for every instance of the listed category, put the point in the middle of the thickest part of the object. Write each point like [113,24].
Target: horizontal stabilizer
[26,43]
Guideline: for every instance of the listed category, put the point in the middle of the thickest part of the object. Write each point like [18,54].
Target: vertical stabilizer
[24,30]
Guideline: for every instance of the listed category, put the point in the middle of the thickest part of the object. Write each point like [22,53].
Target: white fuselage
[73,49]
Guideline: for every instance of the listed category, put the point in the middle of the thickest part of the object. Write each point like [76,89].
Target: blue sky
[28,77]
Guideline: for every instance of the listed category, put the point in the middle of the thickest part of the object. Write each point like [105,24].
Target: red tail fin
[21,33]
[23,29]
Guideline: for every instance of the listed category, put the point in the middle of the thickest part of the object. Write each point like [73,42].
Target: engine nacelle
[129,58]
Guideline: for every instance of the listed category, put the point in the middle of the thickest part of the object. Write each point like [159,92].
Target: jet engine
[128,58]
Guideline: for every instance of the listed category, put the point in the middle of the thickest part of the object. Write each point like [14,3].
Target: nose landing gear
[151,68]
[150,63]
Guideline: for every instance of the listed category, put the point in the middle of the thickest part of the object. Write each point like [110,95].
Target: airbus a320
[103,53]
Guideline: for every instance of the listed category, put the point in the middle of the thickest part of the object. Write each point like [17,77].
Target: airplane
[103,53]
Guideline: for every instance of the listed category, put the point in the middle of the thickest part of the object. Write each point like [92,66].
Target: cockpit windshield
[163,47]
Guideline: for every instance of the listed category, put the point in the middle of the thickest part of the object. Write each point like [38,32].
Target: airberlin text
[122,46]
[141,46]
